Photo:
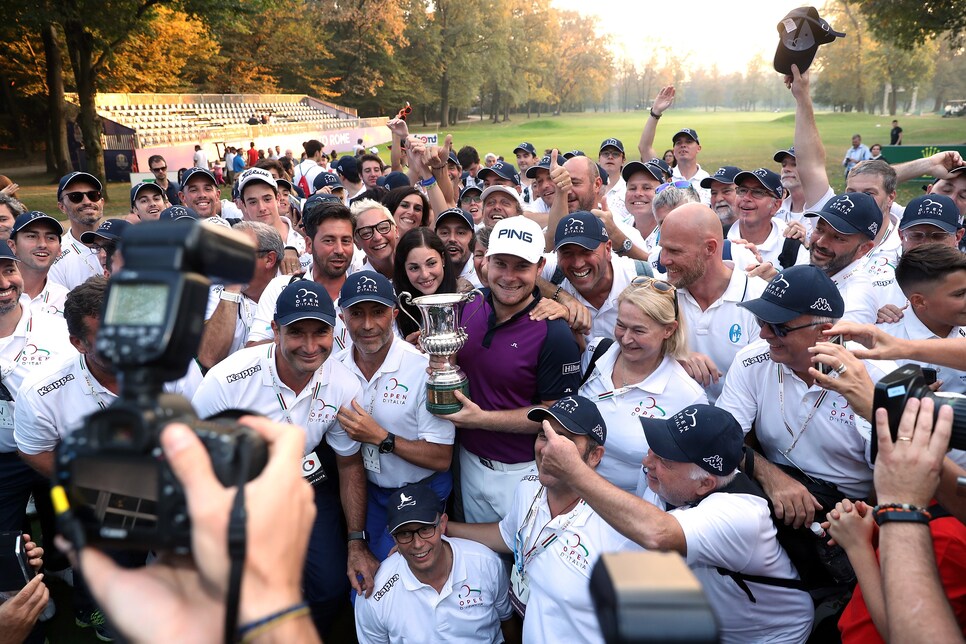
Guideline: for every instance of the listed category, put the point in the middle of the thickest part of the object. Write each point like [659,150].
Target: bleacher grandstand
[171,124]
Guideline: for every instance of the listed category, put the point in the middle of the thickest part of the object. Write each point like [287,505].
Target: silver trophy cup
[440,334]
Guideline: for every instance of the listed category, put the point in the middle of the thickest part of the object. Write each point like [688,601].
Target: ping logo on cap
[574,227]
[405,501]
[306,298]
[510,233]
[714,461]
[367,285]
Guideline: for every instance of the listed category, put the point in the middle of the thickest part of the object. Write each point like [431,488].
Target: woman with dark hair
[409,207]
[421,267]
[669,158]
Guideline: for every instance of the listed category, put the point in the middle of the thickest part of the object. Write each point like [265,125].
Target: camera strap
[237,546]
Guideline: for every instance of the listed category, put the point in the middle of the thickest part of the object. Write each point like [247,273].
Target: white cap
[255,174]
[517,236]
[506,189]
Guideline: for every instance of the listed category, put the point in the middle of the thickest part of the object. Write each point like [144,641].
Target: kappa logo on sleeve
[761,357]
[57,384]
[379,594]
[241,375]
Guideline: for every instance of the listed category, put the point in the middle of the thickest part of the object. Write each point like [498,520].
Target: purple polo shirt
[512,365]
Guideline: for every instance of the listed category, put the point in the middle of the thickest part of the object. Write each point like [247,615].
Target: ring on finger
[904,439]
[842,368]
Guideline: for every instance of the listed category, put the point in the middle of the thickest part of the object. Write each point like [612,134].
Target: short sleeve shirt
[855,285]
[261,327]
[772,247]
[75,265]
[604,319]
[512,365]
[50,300]
[243,321]
[396,399]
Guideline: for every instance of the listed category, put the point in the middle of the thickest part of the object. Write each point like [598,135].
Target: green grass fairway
[744,139]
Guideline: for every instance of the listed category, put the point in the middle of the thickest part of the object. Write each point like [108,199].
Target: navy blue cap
[71,177]
[633,167]
[526,147]
[177,212]
[781,154]
[724,174]
[144,185]
[662,165]
[936,210]
[304,300]
[393,180]
[502,169]
[7,253]
[688,132]
[770,180]
[455,212]
[453,159]
[577,414]
[543,164]
[191,173]
[604,176]
[326,180]
[573,153]
[468,189]
[799,35]
[28,218]
[799,290]
[322,197]
[612,143]
[705,435]
[852,213]
[415,503]
[112,229]
[288,185]
[366,286]
[346,165]
[581,228]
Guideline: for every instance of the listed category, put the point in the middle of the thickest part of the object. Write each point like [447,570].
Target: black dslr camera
[121,491]
[894,390]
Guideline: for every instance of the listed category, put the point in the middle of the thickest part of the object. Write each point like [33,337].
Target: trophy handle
[468,297]
[407,298]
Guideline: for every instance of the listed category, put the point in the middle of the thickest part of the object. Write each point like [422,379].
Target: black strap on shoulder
[599,350]
[557,278]
[789,254]
[726,250]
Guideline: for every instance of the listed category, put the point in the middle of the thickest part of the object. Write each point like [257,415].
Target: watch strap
[231,297]
[358,536]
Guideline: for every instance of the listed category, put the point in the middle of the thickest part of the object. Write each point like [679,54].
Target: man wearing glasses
[813,447]
[159,168]
[80,198]
[759,196]
[433,583]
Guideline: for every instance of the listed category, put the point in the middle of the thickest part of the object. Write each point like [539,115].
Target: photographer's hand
[181,599]
[19,614]
[907,470]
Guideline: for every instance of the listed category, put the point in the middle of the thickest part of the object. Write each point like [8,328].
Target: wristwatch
[625,247]
[231,297]
[359,536]
[388,444]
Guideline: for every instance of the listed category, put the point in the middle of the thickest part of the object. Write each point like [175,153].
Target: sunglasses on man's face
[77,197]
[781,330]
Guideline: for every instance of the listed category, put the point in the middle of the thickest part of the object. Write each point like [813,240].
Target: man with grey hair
[231,307]
[878,180]
[719,520]
[10,209]
[376,234]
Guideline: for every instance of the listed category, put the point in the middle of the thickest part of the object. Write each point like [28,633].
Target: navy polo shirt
[512,365]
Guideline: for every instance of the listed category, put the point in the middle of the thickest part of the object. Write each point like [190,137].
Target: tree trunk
[13,109]
[80,48]
[859,72]
[444,100]
[56,126]
[893,90]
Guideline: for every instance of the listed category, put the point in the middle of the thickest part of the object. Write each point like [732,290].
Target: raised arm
[663,101]
[809,151]
[938,165]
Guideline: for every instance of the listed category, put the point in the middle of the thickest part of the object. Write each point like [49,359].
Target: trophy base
[441,400]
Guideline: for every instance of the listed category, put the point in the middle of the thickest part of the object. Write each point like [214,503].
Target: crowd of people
[659,357]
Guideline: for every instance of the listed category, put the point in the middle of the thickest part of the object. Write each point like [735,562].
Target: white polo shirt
[469,273]
[855,285]
[668,390]
[469,608]
[615,202]
[53,402]
[243,321]
[294,239]
[248,379]
[395,397]
[261,326]
[910,327]
[788,215]
[735,532]
[560,608]
[826,439]
[50,300]
[771,248]
[724,328]
[75,264]
[604,319]
[890,248]
[38,341]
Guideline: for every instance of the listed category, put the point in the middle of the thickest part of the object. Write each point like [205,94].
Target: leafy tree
[908,23]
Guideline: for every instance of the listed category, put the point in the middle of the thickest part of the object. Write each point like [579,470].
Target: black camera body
[121,489]
[894,390]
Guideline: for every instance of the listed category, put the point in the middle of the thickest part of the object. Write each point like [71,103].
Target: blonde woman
[638,376]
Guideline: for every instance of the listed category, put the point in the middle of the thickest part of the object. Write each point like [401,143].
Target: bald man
[709,290]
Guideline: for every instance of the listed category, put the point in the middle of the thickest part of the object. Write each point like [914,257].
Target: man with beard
[724,200]
[844,232]
[35,240]
[80,197]
[878,180]
[709,293]
[455,228]
[328,226]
